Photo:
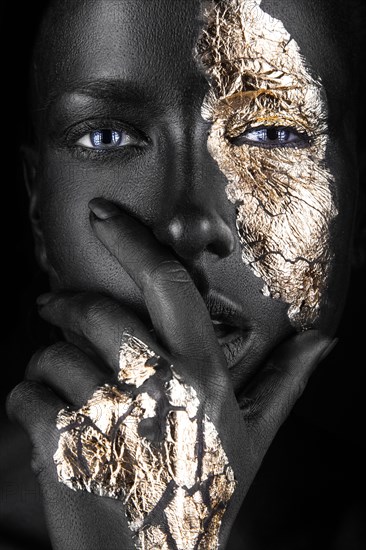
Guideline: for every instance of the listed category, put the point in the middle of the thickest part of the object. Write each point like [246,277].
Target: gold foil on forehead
[258,78]
[174,480]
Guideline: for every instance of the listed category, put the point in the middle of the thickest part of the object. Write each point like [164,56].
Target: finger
[275,390]
[67,371]
[34,407]
[98,320]
[177,310]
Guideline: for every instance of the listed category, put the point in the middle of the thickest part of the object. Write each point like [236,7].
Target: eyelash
[77,132]
[85,128]
[301,138]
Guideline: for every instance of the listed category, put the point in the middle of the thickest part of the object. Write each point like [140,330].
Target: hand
[66,375]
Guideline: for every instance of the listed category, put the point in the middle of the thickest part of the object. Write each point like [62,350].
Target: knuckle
[52,356]
[21,399]
[272,368]
[32,365]
[93,317]
[95,314]
[298,389]
[88,298]
[293,385]
[14,398]
[250,409]
[168,271]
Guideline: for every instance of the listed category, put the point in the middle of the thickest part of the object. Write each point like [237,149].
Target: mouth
[232,329]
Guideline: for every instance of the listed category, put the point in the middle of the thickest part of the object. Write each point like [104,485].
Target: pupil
[272,134]
[105,137]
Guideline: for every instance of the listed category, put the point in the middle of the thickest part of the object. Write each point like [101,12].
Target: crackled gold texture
[284,194]
[175,486]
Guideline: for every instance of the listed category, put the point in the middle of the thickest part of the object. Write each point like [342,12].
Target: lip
[232,328]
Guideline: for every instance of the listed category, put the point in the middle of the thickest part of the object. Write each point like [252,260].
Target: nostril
[211,249]
[219,249]
[222,249]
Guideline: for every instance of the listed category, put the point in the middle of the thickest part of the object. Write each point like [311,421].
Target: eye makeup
[269,137]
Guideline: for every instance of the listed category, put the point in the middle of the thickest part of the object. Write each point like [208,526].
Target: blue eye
[106,138]
[271,136]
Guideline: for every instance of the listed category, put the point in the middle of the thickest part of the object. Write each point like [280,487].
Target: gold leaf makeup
[269,138]
[148,443]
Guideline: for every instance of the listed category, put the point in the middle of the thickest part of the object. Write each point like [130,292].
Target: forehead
[150,44]
[321,29]
[147,43]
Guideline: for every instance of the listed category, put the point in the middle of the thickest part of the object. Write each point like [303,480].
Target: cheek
[65,217]
[78,260]
[284,211]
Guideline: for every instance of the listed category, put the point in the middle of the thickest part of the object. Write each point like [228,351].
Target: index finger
[180,318]
[177,310]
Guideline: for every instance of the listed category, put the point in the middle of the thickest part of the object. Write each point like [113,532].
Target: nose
[195,210]
[196,231]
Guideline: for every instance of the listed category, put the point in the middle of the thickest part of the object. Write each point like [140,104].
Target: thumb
[268,400]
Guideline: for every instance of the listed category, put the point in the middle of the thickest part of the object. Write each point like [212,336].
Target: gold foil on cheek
[147,443]
[283,194]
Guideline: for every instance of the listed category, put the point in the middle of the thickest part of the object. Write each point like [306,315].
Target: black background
[321,450]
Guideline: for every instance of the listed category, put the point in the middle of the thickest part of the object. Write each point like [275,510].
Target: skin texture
[160,253]
[78,519]
[184,202]
[145,442]
[284,194]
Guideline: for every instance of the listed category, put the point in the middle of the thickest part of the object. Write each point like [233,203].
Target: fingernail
[44,299]
[103,209]
[327,351]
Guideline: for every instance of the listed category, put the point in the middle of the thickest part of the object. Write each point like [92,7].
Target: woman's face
[228,132]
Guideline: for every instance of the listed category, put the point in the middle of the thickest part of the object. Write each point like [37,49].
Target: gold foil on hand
[147,442]
[284,200]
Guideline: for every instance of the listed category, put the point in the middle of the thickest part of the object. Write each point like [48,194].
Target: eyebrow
[113,90]
[103,89]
